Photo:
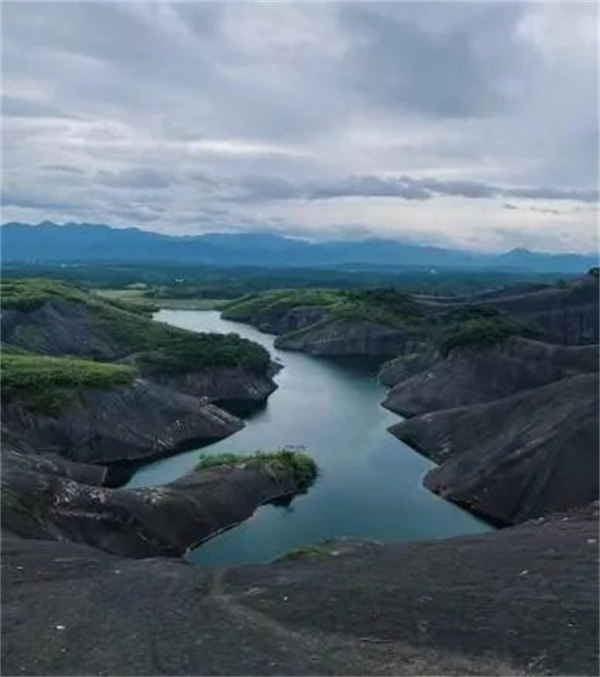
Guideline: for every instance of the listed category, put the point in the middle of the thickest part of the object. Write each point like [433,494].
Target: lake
[369,485]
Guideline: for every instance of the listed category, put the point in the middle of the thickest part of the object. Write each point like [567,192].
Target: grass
[303,467]
[50,383]
[33,293]
[246,308]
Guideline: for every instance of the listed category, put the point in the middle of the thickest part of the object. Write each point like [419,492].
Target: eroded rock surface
[138,422]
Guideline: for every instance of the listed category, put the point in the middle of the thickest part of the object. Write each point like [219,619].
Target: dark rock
[515,458]
[143,421]
[222,384]
[277,320]
[53,465]
[349,337]
[473,376]
[403,367]
[520,601]
[165,520]
[59,327]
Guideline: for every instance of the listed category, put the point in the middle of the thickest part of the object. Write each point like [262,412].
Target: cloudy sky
[470,124]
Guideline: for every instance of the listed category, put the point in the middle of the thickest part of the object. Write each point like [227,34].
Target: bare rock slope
[523,601]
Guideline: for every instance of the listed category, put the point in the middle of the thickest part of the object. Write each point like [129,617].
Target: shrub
[480,332]
[303,467]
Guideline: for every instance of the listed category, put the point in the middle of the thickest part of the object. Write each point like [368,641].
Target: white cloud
[199,116]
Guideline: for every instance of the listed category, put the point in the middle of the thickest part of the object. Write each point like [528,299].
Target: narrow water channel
[369,485]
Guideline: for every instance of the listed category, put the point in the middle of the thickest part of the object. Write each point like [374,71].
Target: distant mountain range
[48,242]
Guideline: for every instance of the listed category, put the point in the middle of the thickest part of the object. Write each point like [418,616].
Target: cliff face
[472,376]
[349,337]
[282,321]
[138,422]
[42,499]
[223,384]
[522,601]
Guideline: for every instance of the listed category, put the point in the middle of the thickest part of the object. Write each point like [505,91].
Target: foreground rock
[39,500]
[142,421]
[518,457]
[520,601]
[477,375]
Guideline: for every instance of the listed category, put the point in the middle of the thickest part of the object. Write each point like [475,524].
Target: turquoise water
[369,485]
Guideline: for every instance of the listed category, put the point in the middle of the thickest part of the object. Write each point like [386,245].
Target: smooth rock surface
[523,601]
[518,457]
[477,375]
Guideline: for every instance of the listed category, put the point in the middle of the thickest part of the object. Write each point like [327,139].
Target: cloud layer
[466,123]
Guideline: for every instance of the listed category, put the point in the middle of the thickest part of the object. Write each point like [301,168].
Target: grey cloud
[27,200]
[308,102]
[63,169]
[24,108]
[370,186]
[548,193]
[472,189]
[135,178]
[405,187]
[436,72]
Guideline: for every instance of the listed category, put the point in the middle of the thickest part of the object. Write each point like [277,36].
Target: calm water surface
[369,485]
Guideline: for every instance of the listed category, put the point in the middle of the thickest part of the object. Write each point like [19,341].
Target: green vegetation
[135,298]
[246,308]
[32,293]
[159,345]
[188,280]
[153,343]
[480,328]
[303,467]
[385,305]
[50,383]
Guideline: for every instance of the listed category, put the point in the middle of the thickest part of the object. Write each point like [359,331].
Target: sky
[464,124]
